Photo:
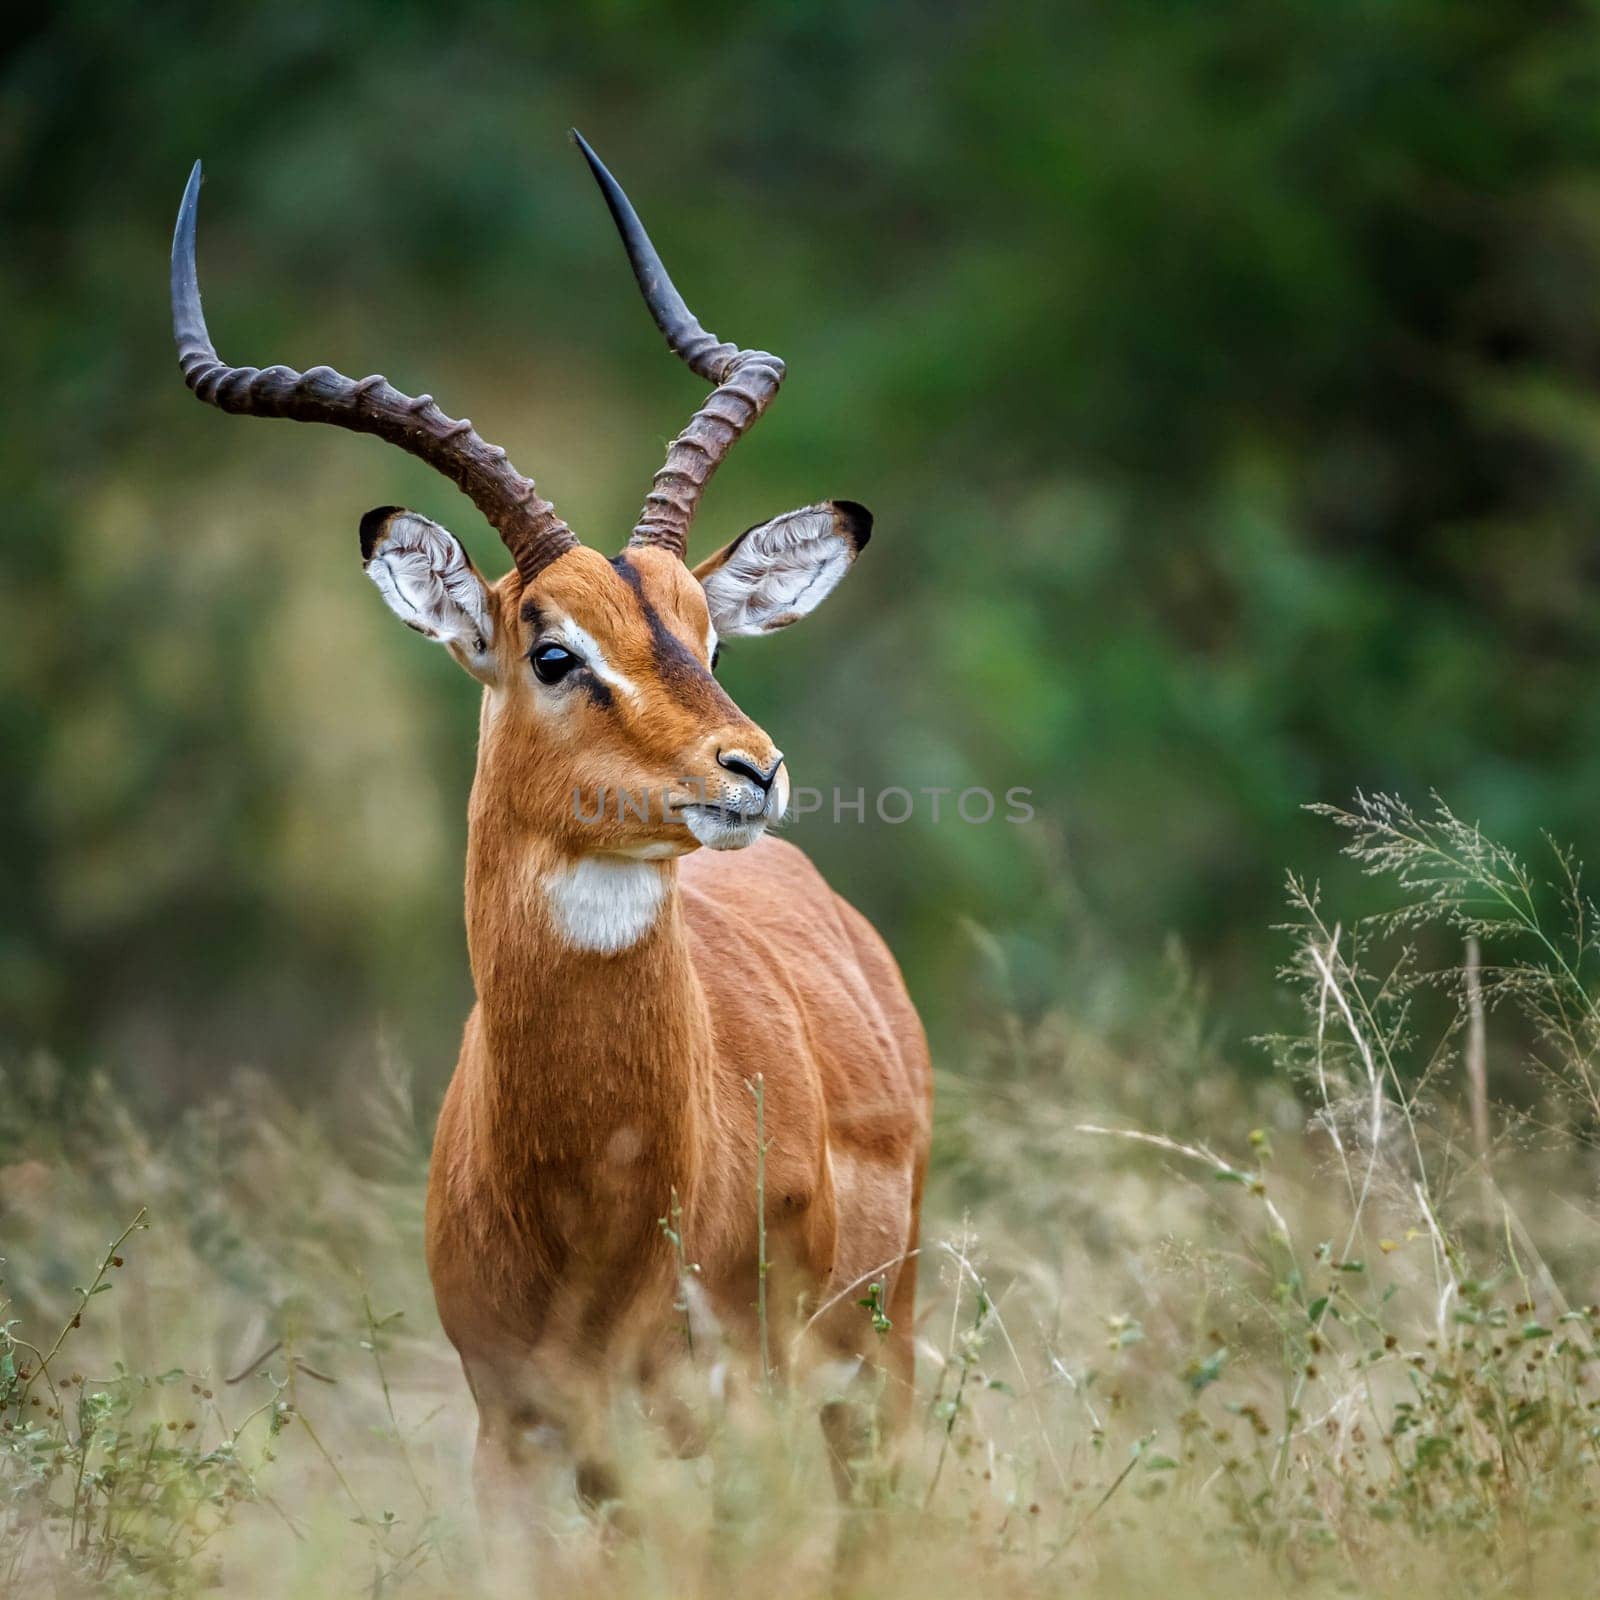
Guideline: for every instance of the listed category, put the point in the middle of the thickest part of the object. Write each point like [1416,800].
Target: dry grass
[1174,1332]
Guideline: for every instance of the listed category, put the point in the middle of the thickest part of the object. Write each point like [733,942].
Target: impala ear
[430,583]
[779,571]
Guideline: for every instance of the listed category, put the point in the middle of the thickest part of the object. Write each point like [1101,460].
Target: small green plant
[123,1480]
[671,1227]
[872,1303]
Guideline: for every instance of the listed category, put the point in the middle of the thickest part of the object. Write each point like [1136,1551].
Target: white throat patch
[604,903]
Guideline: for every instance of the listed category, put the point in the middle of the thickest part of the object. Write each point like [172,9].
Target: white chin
[717,830]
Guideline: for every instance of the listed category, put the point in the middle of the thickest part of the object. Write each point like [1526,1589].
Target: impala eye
[552,662]
[716,656]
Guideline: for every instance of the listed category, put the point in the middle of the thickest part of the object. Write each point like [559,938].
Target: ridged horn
[746,381]
[532,531]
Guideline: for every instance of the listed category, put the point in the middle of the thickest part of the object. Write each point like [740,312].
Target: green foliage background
[1223,377]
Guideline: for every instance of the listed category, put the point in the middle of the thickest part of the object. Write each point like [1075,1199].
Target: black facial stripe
[674,660]
[530,614]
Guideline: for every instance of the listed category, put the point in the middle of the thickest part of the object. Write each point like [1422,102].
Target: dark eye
[716,656]
[552,662]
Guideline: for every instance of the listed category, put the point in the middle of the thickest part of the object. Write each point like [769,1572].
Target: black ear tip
[855,522]
[372,526]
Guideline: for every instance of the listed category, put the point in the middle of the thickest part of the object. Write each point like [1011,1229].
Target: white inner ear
[779,572]
[424,575]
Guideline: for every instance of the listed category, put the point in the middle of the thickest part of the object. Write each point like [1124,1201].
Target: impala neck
[591,1018]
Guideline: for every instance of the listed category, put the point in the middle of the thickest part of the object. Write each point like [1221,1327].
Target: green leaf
[1208,1371]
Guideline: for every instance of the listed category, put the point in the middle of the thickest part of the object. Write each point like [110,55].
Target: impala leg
[900,1358]
[523,1483]
[865,1424]
[548,1502]
[865,1430]
[853,1428]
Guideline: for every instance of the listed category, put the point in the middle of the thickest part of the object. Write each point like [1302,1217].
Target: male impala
[630,986]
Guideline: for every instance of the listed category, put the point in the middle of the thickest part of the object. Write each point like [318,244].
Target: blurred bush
[1224,379]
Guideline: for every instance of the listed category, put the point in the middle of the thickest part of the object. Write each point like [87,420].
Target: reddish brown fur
[590,1087]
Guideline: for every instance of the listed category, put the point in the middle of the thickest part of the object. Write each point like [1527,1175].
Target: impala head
[604,728]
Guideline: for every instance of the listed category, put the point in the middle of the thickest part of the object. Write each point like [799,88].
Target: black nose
[731,761]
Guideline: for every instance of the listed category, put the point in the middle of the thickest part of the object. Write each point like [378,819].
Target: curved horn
[532,531]
[746,381]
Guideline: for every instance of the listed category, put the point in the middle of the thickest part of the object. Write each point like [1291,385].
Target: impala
[640,969]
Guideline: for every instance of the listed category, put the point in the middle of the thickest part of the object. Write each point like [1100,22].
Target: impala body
[645,956]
